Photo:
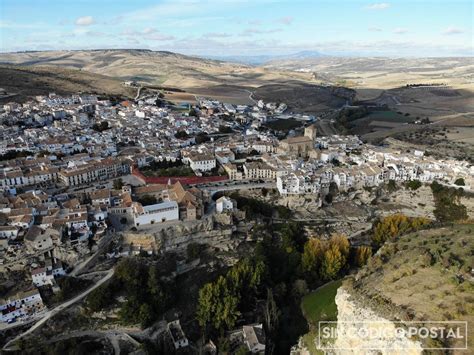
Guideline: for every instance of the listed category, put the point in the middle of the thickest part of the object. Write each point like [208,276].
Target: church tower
[310,132]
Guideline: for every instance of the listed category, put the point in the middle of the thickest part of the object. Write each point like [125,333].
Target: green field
[388,116]
[319,306]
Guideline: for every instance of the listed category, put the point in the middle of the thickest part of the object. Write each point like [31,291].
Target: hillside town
[76,170]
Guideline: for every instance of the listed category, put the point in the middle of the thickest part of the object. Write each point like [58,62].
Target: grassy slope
[40,80]
[319,306]
[164,68]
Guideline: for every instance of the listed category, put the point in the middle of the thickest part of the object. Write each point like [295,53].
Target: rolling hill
[382,72]
[156,68]
[26,81]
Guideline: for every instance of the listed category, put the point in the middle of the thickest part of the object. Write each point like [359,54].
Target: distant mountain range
[266,58]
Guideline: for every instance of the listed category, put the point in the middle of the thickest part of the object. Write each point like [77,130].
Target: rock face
[177,237]
[351,316]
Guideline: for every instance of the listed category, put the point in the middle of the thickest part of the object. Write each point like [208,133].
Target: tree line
[147,296]
[395,225]
[269,283]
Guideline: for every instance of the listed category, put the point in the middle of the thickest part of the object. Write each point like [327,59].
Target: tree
[206,305]
[217,306]
[312,257]
[342,244]
[242,350]
[300,288]
[118,184]
[392,185]
[413,184]
[99,298]
[271,319]
[181,134]
[397,224]
[459,182]
[147,200]
[225,129]
[220,302]
[201,137]
[333,261]
[448,206]
[193,250]
[145,315]
[362,255]
[14,154]
[100,127]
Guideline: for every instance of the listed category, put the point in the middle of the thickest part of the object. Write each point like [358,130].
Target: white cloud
[256,31]
[255,22]
[148,33]
[452,31]
[149,30]
[84,21]
[159,37]
[287,20]
[378,6]
[400,30]
[375,29]
[217,35]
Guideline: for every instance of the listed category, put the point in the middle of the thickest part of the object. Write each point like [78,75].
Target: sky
[242,27]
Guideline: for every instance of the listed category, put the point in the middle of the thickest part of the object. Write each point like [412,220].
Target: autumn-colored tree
[395,225]
[312,258]
[333,262]
[342,243]
[362,255]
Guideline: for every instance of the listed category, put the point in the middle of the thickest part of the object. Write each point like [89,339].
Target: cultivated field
[157,68]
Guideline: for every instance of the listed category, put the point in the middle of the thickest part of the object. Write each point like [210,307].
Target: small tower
[310,132]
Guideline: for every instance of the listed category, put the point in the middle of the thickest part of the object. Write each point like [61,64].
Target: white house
[9,232]
[20,305]
[295,184]
[41,277]
[160,212]
[202,162]
[224,204]
[46,275]
[225,156]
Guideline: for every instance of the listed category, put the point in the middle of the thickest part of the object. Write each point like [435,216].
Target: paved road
[114,337]
[251,96]
[138,92]
[49,314]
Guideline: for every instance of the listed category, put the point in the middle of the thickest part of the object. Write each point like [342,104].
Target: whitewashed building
[224,204]
[157,213]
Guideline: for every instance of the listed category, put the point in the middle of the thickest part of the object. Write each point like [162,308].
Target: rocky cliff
[419,280]
[355,320]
